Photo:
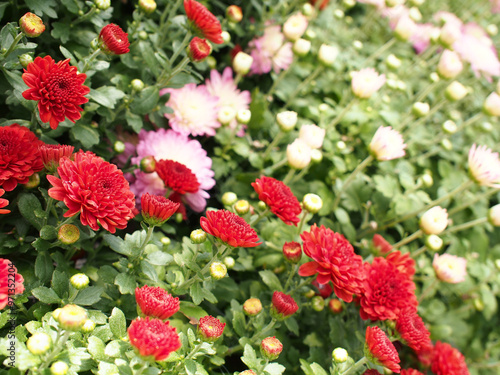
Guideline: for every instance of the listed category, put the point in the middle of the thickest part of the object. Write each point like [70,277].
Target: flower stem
[163,82]
[408,239]
[274,142]
[342,113]
[58,346]
[183,45]
[425,91]
[12,46]
[302,221]
[304,84]
[380,51]
[350,179]
[466,225]
[146,241]
[260,216]
[90,59]
[292,273]
[278,79]
[427,290]
[289,176]
[470,203]
[356,366]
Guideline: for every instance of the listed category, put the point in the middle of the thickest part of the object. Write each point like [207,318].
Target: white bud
[492,29]
[312,203]
[447,145]
[338,13]
[286,120]
[393,62]
[456,91]
[226,115]
[242,63]
[298,154]
[327,54]
[358,45]
[340,355]
[415,14]
[243,116]
[494,215]
[434,220]
[226,37]
[434,242]
[420,109]
[449,127]
[316,156]
[301,47]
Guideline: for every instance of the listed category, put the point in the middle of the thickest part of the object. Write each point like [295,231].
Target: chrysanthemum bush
[249,188]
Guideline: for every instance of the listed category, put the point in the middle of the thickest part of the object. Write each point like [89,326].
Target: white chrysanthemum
[450,268]
[195,110]
[298,154]
[484,166]
[387,144]
[295,26]
[313,135]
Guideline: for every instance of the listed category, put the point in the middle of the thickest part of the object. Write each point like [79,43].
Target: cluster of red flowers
[446,360]
[279,198]
[9,286]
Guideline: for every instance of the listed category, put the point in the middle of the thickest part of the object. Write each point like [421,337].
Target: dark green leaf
[126,283]
[60,283]
[145,101]
[46,295]
[196,293]
[159,258]
[41,7]
[249,357]
[61,31]
[43,267]
[271,280]
[28,206]
[134,121]
[192,311]
[85,134]
[106,96]
[89,295]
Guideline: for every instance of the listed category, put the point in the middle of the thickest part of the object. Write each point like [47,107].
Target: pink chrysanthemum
[224,88]
[195,110]
[95,189]
[8,286]
[270,52]
[170,145]
[484,166]
[366,82]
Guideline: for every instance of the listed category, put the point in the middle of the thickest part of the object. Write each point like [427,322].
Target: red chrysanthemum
[229,228]
[199,49]
[210,328]
[51,154]
[333,260]
[3,203]
[157,209]
[11,282]
[19,156]
[271,348]
[380,244]
[425,355]
[380,350]
[283,305]
[177,176]
[114,40]
[205,23]
[156,302]
[387,291]
[58,88]
[279,198]
[403,262]
[153,338]
[292,251]
[94,188]
[446,360]
[410,371]
[324,290]
[412,329]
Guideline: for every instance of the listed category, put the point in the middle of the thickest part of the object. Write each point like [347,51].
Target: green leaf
[191,311]
[60,283]
[118,323]
[128,247]
[239,323]
[41,7]
[271,280]
[2,8]
[387,185]
[292,325]
[196,293]
[149,271]
[29,205]
[46,295]
[89,296]
[85,134]
[15,80]
[61,31]
[145,101]
[126,283]
[96,348]
[190,367]
[43,267]
[115,348]
[106,96]
[106,368]
[249,357]
[274,369]
[66,53]
[71,5]
[134,121]
[159,258]
[311,369]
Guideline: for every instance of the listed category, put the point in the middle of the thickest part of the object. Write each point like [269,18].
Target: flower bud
[327,54]
[248,372]
[229,198]
[449,34]
[298,154]
[318,303]
[243,116]
[199,49]
[316,156]
[393,62]
[72,317]
[447,145]
[56,312]
[313,135]
[242,63]
[450,65]
[262,206]
[166,241]
[252,306]
[59,368]
[491,105]
[147,6]
[218,270]
[494,215]
[143,35]
[349,3]
[79,281]
[335,306]
[229,262]
[226,37]
[455,91]
[450,268]
[226,114]
[210,328]
[88,326]
[449,127]
[137,85]
[33,181]
[68,234]
[340,355]
[433,242]
[271,348]
[31,25]
[102,4]
[198,236]
[420,109]
[283,306]
[338,14]
[301,47]
[242,207]
[358,45]
[286,120]
[25,59]
[415,14]
[434,220]
[119,147]
[148,164]
[292,251]
[341,146]
[434,77]
[308,10]
[312,203]
[234,13]
[427,180]
[39,343]
[492,29]
[295,26]
[404,29]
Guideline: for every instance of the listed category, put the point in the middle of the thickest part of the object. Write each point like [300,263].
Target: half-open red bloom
[51,154]
[114,40]
[387,291]
[210,328]
[283,305]
[229,228]
[380,244]
[403,262]
[153,338]
[156,302]
[19,156]
[95,189]
[333,260]
[205,23]
[412,329]
[58,88]
[3,203]
[279,198]
[9,287]
[177,176]
[157,209]
[446,360]
[199,49]
[380,350]
[410,371]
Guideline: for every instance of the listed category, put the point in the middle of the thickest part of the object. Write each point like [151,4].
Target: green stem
[149,234]
[274,142]
[229,141]
[289,175]
[408,239]
[67,221]
[416,253]
[306,281]
[424,92]
[162,82]
[466,225]
[280,77]
[380,51]
[293,272]
[350,179]
[13,45]
[281,163]
[85,17]
[342,113]
[302,221]
[58,345]
[90,59]
[260,216]
[476,199]
[304,84]
[427,290]
[181,48]
[356,366]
